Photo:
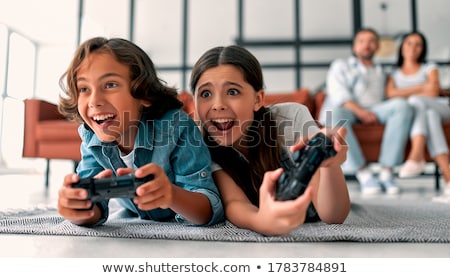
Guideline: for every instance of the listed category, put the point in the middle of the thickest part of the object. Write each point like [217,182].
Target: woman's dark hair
[145,83]
[261,138]
[423,56]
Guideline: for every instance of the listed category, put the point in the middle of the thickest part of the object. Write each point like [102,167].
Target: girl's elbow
[336,216]
[336,219]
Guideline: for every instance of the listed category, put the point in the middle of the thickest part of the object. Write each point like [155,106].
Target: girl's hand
[280,217]
[337,135]
[157,193]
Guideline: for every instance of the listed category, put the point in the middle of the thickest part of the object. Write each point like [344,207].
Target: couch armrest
[444,93]
[36,110]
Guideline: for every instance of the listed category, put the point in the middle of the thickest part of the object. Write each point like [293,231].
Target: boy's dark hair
[423,56]
[145,84]
[264,149]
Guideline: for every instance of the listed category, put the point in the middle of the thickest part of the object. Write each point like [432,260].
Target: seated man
[356,93]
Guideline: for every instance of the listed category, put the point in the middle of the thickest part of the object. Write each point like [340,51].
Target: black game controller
[293,183]
[112,187]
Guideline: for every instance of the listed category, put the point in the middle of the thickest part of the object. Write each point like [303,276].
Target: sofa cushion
[302,96]
[188,103]
[319,98]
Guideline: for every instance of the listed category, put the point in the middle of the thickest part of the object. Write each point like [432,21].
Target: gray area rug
[388,220]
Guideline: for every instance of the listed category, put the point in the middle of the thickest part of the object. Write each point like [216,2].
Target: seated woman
[418,81]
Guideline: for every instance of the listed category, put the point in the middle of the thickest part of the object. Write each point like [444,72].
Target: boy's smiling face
[105,102]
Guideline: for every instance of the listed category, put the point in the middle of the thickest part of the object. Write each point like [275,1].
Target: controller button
[282,177]
[296,155]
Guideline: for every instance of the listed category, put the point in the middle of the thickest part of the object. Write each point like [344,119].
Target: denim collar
[144,137]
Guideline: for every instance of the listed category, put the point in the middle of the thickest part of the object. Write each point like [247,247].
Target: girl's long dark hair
[264,151]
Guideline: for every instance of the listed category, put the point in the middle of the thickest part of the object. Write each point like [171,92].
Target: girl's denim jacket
[175,143]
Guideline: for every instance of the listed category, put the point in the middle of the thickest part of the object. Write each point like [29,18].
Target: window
[3,47]
[21,67]
[17,78]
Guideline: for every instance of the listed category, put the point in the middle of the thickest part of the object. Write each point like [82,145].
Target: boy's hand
[157,193]
[73,204]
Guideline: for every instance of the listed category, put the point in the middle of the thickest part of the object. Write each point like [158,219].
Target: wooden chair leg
[436,176]
[47,173]
[75,165]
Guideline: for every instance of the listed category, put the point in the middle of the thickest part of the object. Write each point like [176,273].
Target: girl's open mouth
[223,124]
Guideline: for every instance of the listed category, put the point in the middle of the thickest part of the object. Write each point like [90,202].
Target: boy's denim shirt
[174,142]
